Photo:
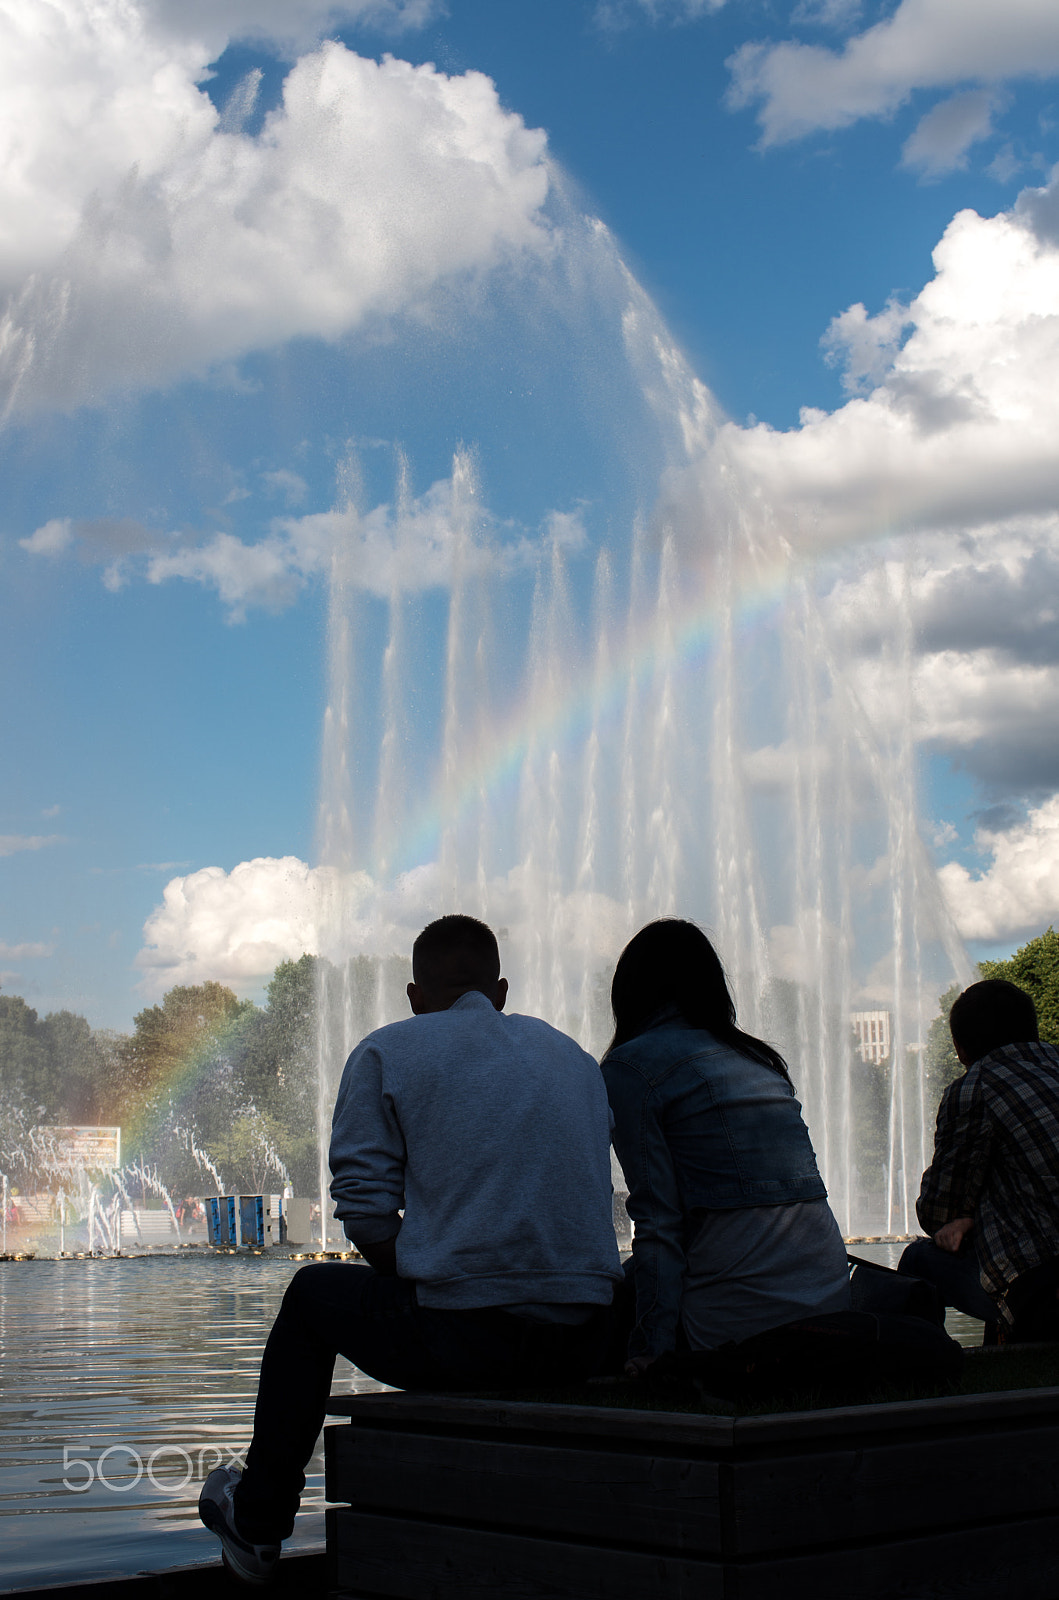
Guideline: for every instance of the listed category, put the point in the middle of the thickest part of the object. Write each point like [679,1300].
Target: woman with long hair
[733,1232]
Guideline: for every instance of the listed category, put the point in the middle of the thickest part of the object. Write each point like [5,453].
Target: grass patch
[985,1374]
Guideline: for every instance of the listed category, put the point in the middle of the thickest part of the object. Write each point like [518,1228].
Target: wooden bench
[448,1498]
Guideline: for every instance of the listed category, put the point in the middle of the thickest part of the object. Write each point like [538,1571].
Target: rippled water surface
[122,1383]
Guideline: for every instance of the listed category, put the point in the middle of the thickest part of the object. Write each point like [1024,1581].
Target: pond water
[122,1384]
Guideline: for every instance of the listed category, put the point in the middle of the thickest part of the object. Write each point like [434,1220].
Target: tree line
[202,1071]
[205,1075]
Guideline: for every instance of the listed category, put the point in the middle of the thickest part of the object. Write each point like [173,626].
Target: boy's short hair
[457,949]
[991,1014]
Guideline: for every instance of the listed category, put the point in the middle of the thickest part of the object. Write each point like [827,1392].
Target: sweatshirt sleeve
[367,1151]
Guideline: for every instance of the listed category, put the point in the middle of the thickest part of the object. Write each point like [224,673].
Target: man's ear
[961,1055]
[414,999]
[501,993]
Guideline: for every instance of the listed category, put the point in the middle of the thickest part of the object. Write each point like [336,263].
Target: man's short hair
[457,950]
[991,1014]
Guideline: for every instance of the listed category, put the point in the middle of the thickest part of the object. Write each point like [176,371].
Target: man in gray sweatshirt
[471,1168]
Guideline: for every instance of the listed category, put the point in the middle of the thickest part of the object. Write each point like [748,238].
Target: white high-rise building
[873,1035]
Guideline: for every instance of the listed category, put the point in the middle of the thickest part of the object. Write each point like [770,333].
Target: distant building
[872,1029]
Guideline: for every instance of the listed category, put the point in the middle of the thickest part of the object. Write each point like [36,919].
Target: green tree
[1035,968]
[182,1049]
[27,1081]
[942,1065]
[277,1076]
[81,1061]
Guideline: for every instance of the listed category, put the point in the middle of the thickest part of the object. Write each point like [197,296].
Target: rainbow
[491,770]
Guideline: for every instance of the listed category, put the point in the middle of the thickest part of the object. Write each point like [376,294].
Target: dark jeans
[954,1276]
[333,1308]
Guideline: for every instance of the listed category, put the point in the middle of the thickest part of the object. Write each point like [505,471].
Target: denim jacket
[697,1127]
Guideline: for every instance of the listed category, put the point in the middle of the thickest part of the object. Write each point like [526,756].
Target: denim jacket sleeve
[654,1206]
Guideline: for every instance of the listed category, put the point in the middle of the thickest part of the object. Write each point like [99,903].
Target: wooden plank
[953,1411]
[686,1430]
[404,1560]
[1009,1561]
[661,1502]
[442,1411]
[790,1502]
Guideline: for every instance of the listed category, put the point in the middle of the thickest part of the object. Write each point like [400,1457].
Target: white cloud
[51,539]
[1019,892]
[12,843]
[958,430]
[827,13]
[237,926]
[139,241]
[291,485]
[289,24]
[924,44]
[411,545]
[798,954]
[983,611]
[614,14]
[24,952]
[943,137]
[866,346]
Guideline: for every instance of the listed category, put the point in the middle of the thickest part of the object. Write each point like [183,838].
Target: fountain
[682,736]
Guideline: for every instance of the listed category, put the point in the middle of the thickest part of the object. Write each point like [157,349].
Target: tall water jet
[666,725]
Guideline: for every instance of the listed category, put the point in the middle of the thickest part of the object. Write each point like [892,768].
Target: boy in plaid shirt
[990,1197]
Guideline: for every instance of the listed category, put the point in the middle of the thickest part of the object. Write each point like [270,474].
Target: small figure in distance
[734,1234]
[990,1197]
[491,1134]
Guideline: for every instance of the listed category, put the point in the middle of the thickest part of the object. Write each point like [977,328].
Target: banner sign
[94,1149]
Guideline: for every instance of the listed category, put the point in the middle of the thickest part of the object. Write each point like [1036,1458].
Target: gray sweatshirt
[492,1132]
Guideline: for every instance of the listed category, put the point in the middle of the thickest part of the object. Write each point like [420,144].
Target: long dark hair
[672,963]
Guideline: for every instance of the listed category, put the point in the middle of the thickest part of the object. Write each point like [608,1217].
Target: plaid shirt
[996,1159]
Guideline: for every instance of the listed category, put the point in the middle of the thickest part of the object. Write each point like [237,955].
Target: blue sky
[217,300]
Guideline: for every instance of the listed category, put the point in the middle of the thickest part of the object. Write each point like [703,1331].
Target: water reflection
[122,1382]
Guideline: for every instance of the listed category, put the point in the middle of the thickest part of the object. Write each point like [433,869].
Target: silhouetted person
[990,1197]
[491,1135]
[734,1234]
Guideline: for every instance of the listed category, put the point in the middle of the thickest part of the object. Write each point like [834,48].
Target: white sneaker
[251,1563]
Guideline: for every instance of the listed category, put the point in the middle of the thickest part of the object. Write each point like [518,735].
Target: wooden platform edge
[413,1409]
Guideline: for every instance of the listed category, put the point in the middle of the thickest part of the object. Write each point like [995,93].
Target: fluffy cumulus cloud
[232,926]
[237,926]
[955,421]
[946,447]
[415,544]
[1018,893]
[142,236]
[981,614]
[923,44]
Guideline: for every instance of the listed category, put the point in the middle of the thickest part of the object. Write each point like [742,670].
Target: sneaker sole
[212,1517]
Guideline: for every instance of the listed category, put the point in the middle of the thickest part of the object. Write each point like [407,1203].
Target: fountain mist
[662,743]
